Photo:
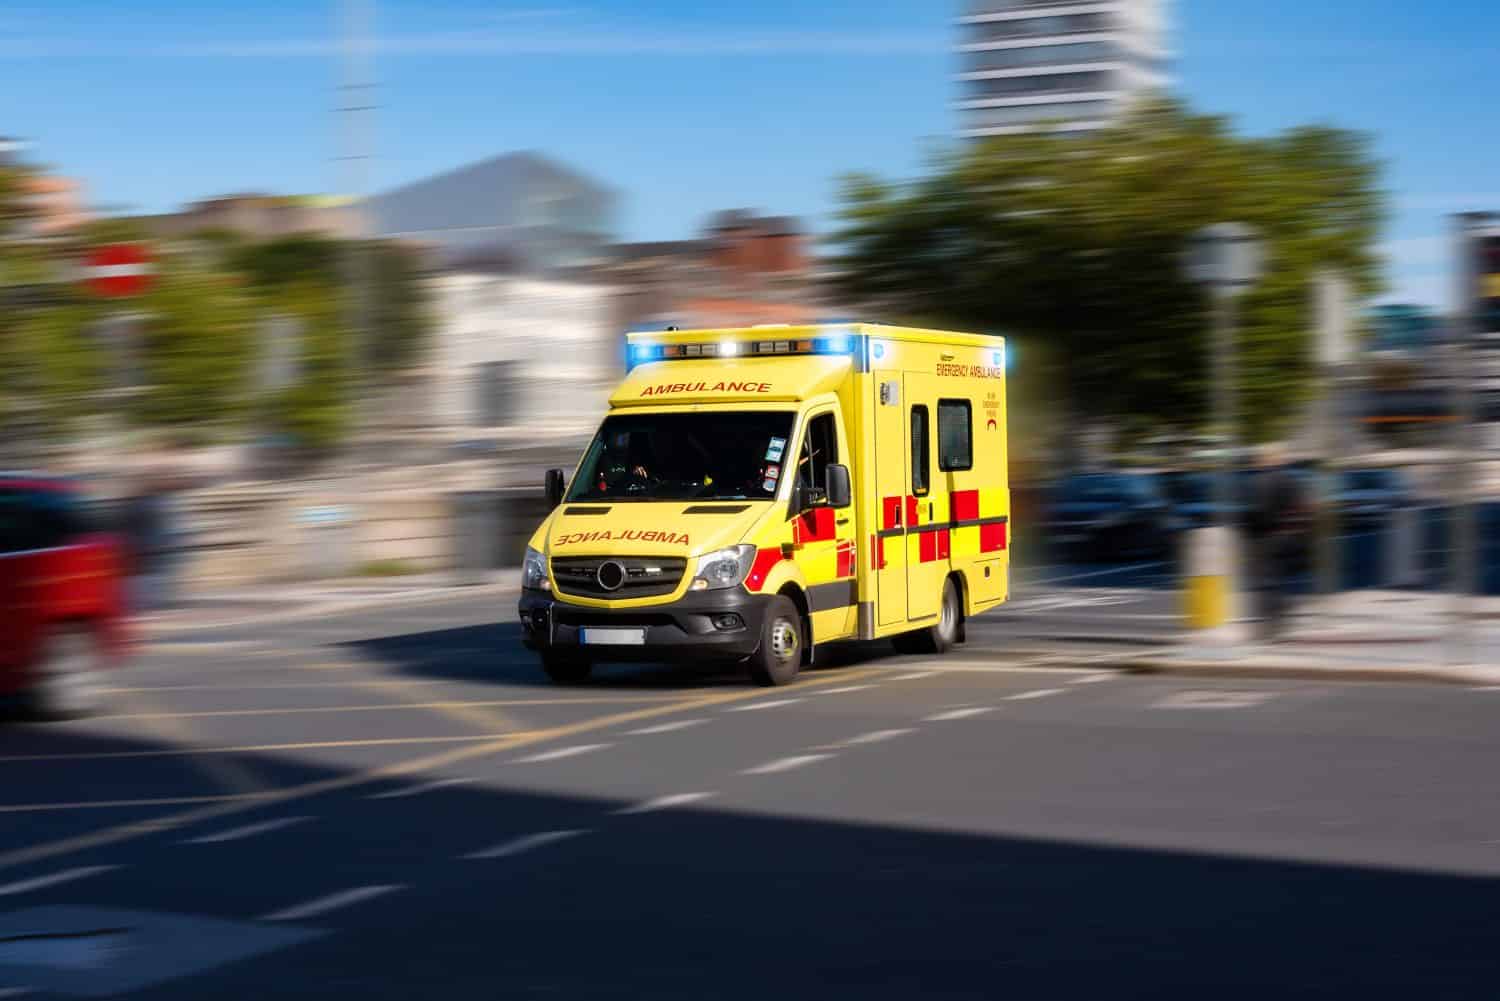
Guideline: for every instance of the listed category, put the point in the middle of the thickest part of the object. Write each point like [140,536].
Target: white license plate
[614,637]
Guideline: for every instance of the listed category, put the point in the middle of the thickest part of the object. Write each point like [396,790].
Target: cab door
[926,514]
[822,536]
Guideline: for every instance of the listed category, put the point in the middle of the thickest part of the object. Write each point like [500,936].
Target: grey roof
[490,193]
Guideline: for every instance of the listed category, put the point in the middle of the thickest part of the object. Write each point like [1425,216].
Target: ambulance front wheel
[781,640]
[564,669]
[939,638]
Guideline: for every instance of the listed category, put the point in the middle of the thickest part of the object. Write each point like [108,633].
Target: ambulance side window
[820,449]
[955,435]
[920,460]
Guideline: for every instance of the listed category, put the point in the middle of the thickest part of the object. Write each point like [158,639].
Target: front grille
[644,577]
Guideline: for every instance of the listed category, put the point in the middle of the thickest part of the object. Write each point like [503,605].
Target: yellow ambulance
[755,494]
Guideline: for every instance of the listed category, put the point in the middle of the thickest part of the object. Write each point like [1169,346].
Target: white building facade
[1026,65]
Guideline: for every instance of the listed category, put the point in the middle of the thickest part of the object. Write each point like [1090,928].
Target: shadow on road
[699,903]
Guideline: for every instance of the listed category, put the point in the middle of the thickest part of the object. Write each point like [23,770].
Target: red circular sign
[119,269]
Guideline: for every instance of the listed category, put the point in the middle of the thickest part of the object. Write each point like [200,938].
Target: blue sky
[689,107]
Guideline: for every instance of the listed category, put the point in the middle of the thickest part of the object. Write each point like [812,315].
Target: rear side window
[955,435]
[920,460]
[15,521]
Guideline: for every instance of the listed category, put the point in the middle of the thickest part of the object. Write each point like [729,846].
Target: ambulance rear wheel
[565,670]
[780,654]
[938,638]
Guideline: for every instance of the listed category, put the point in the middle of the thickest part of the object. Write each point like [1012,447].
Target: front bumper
[684,629]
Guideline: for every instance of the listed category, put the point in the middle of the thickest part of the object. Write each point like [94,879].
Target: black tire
[782,637]
[939,638]
[566,670]
[66,682]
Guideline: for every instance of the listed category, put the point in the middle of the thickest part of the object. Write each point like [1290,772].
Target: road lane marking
[314,710]
[785,764]
[560,753]
[518,846]
[681,724]
[875,737]
[1089,679]
[961,713]
[118,804]
[42,882]
[994,667]
[332,902]
[914,676]
[248,831]
[1209,699]
[432,762]
[1040,693]
[418,790]
[762,705]
[257,748]
[845,690]
[663,803]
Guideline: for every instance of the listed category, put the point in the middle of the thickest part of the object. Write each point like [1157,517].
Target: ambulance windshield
[693,456]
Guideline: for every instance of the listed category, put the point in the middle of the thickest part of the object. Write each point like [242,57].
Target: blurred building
[53,205]
[1407,384]
[1029,64]
[523,209]
[260,216]
[743,269]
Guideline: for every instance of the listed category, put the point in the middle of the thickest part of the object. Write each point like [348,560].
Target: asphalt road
[393,804]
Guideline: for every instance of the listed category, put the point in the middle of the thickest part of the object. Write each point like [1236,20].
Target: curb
[327,607]
[1303,672]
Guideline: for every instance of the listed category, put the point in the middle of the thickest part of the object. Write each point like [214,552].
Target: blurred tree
[314,410]
[1076,241]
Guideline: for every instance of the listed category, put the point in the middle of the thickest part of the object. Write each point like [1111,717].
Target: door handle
[929,512]
[841,521]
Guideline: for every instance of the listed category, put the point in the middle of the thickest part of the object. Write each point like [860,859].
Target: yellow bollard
[1209,601]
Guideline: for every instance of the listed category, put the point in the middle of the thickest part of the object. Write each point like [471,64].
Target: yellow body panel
[860,573]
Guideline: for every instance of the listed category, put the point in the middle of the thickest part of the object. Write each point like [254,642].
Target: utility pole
[356,109]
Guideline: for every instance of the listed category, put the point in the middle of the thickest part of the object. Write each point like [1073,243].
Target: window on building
[920,459]
[955,435]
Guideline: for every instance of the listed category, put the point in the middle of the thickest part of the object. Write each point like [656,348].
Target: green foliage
[51,368]
[1076,242]
[315,410]
[196,350]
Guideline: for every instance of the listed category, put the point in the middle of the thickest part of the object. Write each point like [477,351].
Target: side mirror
[553,485]
[839,492]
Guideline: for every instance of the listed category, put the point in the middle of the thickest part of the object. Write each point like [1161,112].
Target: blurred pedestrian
[153,539]
[1277,517]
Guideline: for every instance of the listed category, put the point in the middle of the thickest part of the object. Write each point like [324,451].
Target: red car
[62,600]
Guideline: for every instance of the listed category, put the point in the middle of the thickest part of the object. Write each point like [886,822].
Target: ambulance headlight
[724,568]
[534,571]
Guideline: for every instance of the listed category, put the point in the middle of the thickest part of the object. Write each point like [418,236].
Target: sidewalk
[1359,635]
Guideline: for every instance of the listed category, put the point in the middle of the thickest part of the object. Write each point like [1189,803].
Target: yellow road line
[214,811]
[229,773]
[490,720]
[251,748]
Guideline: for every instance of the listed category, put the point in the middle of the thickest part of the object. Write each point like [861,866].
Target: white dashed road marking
[680,724]
[785,764]
[561,752]
[41,882]
[664,803]
[517,846]
[963,713]
[248,831]
[913,676]
[761,705]
[1040,693]
[332,902]
[843,690]
[1213,700]
[874,737]
[1089,679]
[418,790]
